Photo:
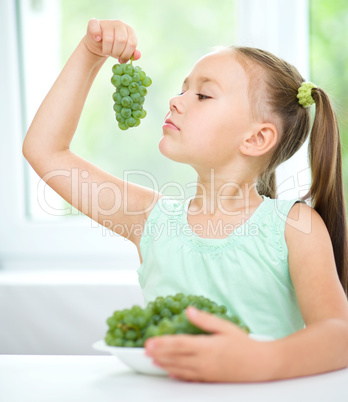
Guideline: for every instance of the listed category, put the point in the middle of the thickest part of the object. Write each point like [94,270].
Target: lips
[169,123]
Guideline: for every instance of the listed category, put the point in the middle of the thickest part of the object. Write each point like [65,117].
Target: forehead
[222,66]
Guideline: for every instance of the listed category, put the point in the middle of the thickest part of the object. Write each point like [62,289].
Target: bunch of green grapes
[130,83]
[165,315]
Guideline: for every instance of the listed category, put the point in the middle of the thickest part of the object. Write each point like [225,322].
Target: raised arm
[103,197]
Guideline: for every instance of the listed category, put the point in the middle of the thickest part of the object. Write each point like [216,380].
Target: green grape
[130,83]
[166,312]
[142,90]
[118,333]
[123,126]
[111,322]
[178,296]
[131,122]
[120,118]
[118,69]
[139,343]
[117,107]
[127,101]
[117,97]
[126,80]
[175,307]
[116,80]
[118,342]
[128,69]
[131,335]
[129,344]
[124,91]
[136,77]
[126,112]
[142,75]
[136,114]
[156,318]
[136,97]
[163,316]
[133,88]
[136,106]
[147,81]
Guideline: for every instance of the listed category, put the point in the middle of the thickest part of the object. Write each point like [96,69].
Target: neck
[220,194]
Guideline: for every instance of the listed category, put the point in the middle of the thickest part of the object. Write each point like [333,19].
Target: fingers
[136,54]
[171,344]
[118,40]
[125,44]
[208,322]
[94,29]
[185,374]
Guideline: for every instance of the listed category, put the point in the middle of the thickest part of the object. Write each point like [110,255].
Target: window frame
[72,243]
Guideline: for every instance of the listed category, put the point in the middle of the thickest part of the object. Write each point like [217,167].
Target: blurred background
[43,241]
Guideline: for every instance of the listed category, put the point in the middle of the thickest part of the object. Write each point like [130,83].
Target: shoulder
[308,241]
[164,205]
[303,220]
[150,204]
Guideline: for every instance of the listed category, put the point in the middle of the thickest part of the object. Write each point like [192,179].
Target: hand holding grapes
[111,38]
[224,356]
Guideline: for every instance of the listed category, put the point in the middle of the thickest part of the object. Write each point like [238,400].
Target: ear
[262,140]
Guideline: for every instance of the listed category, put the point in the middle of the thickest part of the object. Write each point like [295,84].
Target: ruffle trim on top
[212,245]
[168,211]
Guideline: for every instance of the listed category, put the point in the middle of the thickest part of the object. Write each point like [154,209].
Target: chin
[167,151]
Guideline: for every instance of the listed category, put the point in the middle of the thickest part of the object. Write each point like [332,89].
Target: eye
[203,97]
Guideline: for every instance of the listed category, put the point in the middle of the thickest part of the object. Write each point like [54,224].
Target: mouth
[170,125]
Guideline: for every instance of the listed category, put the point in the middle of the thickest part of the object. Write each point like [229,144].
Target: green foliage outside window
[172,36]
[329,62]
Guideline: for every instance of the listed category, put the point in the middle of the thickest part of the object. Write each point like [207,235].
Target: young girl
[281,266]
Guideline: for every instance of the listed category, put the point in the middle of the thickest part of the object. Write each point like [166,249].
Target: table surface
[104,378]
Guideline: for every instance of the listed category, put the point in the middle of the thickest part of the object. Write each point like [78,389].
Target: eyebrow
[203,80]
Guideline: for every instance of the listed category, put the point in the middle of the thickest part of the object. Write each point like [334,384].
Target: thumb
[136,54]
[94,29]
[208,322]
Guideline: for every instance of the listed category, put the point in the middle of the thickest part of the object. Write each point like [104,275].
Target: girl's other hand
[111,38]
[227,355]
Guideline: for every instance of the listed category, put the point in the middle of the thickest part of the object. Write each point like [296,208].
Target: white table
[30,378]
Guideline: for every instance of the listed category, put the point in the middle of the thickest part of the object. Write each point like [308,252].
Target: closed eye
[203,97]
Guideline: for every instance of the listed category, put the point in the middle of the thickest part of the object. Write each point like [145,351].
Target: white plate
[136,359]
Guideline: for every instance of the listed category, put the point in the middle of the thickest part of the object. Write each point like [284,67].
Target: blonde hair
[273,90]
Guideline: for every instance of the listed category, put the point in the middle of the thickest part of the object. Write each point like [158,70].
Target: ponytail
[326,191]
[266,184]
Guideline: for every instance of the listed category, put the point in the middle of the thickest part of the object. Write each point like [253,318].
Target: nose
[175,103]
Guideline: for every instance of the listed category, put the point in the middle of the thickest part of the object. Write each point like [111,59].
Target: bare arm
[102,197]
[323,345]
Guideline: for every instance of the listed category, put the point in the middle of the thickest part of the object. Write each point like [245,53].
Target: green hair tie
[304,95]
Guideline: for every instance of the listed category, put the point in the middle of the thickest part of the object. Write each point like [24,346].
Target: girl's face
[209,119]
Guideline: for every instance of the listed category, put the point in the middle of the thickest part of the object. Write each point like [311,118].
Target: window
[37,227]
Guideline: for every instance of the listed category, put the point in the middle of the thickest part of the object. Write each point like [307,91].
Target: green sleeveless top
[247,271]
